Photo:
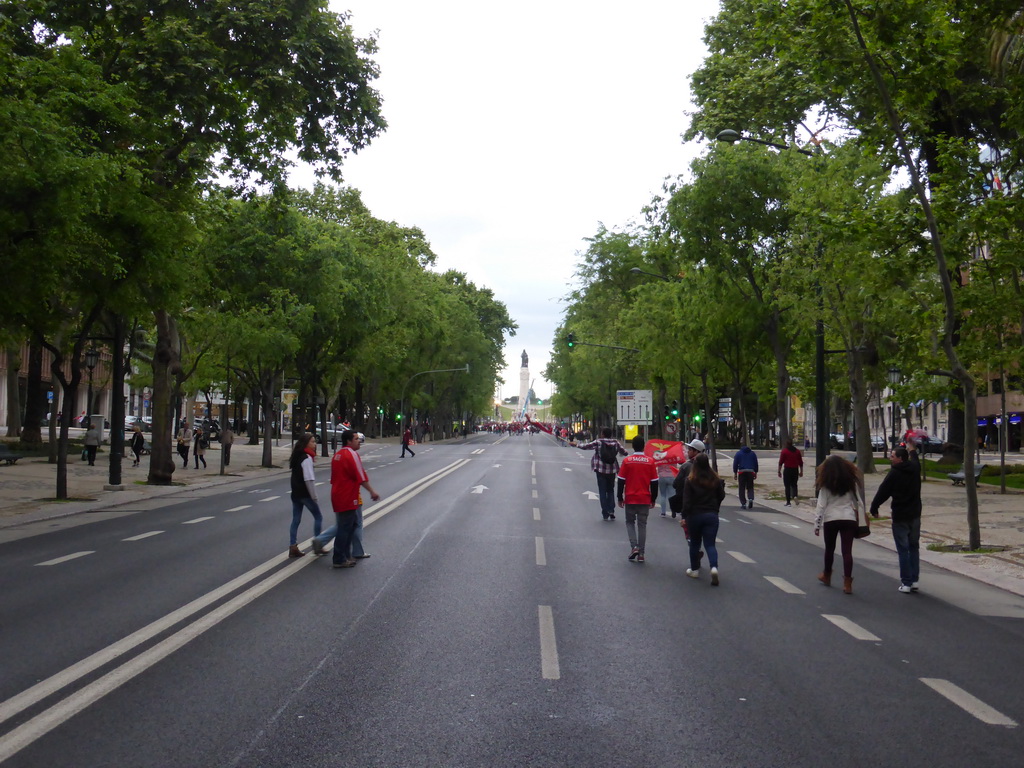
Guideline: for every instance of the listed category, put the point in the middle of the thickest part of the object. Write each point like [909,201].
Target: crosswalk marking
[199,520]
[142,536]
[854,630]
[968,703]
[784,585]
[741,557]
[73,556]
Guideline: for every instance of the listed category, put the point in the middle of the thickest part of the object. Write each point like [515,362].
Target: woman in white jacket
[840,493]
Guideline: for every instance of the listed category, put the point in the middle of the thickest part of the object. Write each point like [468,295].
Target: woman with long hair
[303,483]
[840,488]
[703,493]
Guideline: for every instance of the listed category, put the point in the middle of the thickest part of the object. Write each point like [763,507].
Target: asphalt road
[497,623]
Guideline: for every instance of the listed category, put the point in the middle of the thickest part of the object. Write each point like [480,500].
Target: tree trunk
[35,397]
[861,430]
[267,399]
[117,400]
[165,364]
[14,391]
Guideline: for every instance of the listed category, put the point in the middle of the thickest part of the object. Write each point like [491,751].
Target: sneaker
[665,514]
[693,573]
[633,553]
[363,556]
[913,587]
[750,504]
[640,558]
[905,589]
[714,577]
[611,516]
[743,505]
[788,504]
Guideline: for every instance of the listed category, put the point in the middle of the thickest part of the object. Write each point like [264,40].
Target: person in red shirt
[347,477]
[637,492]
[791,467]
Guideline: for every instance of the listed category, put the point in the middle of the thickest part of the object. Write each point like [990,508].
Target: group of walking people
[348,480]
[697,493]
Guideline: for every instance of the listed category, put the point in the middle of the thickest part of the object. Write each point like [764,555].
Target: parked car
[209,426]
[926,445]
[142,423]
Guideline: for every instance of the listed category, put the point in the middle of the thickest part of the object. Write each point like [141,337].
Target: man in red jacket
[637,492]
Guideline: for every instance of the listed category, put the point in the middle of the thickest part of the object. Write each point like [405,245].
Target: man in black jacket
[903,486]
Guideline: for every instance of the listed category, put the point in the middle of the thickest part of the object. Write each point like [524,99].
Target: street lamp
[91,358]
[821,399]
[894,378]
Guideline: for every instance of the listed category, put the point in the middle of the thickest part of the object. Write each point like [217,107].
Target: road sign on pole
[635,406]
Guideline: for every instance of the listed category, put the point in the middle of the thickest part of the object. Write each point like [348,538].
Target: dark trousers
[746,481]
[90,451]
[790,475]
[606,493]
[227,453]
[405,447]
[844,530]
[346,522]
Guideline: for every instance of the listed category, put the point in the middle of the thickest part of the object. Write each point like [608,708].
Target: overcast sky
[514,129]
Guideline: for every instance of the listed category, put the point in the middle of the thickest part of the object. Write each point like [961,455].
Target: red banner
[666,452]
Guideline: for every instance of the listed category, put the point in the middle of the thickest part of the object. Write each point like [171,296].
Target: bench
[9,456]
[959,478]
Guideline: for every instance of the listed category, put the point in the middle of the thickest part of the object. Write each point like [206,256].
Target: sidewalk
[27,489]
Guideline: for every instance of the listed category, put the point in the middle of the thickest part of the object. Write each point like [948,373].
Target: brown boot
[825,577]
[294,551]
[848,585]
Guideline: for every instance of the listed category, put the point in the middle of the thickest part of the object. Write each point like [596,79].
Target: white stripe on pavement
[238,509]
[73,556]
[549,669]
[741,557]
[536,513]
[854,630]
[142,536]
[198,520]
[785,586]
[541,557]
[968,703]
[271,498]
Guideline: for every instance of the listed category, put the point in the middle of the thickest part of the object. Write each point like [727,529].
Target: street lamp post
[821,399]
[894,379]
[91,358]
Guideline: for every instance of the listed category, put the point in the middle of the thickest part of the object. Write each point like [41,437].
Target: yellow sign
[630,431]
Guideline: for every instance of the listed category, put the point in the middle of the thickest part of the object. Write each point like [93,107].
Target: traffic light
[398,417]
[570,339]
[539,401]
[697,417]
[675,408]
[667,414]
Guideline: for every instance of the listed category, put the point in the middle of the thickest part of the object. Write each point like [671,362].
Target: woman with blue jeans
[303,491]
[703,493]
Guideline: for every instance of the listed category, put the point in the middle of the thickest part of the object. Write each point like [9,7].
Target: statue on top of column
[526,359]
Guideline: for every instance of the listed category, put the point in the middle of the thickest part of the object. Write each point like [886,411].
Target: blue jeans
[665,490]
[907,535]
[357,534]
[703,528]
[345,523]
[318,519]
[606,493]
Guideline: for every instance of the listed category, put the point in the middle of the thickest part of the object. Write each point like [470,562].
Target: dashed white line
[198,520]
[549,669]
[533,481]
[533,469]
[477,452]
[271,498]
[535,494]
[784,585]
[854,630]
[971,704]
[238,509]
[142,536]
[724,519]
[745,522]
[741,557]
[73,556]
[541,557]
[536,513]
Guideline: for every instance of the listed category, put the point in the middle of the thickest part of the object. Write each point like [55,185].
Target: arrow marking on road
[567,469]
[479,488]
[590,495]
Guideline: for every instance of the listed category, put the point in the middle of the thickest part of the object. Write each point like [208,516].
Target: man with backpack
[605,465]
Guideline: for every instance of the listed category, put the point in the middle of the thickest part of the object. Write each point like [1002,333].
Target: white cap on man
[697,445]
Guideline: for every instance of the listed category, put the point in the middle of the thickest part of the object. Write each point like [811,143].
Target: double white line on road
[49,719]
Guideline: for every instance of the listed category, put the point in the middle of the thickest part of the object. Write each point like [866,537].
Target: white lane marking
[745,522]
[785,586]
[477,452]
[479,489]
[271,498]
[533,481]
[536,513]
[724,519]
[741,557]
[54,683]
[73,556]
[143,536]
[535,496]
[541,557]
[854,630]
[46,721]
[548,645]
[321,482]
[533,469]
[567,469]
[238,509]
[198,520]
[971,704]
[785,525]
